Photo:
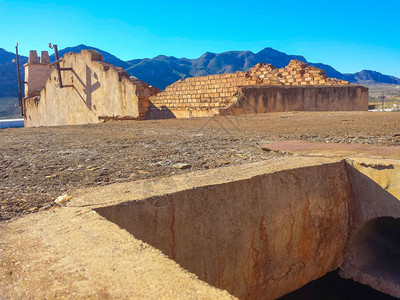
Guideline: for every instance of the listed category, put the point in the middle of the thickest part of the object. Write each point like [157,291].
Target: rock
[62,200]
[181,166]
[144,172]
[51,176]
[47,206]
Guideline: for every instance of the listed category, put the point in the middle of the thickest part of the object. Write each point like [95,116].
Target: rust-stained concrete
[251,237]
[372,251]
[258,230]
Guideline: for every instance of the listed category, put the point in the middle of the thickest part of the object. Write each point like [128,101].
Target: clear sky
[348,35]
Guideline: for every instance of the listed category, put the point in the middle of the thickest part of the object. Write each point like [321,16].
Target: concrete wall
[258,238]
[264,99]
[372,254]
[92,89]
[36,75]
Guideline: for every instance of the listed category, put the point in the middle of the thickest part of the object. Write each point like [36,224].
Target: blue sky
[349,35]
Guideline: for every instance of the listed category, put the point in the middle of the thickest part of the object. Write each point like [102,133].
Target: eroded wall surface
[306,98]
[92,89]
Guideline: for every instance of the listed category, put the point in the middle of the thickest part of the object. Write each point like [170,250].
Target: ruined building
[92,90]
[262,89]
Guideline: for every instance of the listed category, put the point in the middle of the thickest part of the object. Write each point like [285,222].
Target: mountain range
[162,70]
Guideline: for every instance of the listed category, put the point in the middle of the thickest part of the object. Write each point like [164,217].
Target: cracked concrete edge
[142,189]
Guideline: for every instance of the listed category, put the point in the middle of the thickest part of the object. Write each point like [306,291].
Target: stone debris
[63,199]
[181,166]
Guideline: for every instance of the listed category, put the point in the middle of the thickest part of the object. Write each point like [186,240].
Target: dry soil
[39,164]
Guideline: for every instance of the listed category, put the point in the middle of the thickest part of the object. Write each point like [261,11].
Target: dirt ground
[39,164]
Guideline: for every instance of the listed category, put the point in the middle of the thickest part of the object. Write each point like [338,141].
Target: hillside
[9,108]
[8,73]
[371,77]
[162,70]
[107,56]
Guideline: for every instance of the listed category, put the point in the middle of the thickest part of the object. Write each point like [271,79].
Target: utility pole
[19,80]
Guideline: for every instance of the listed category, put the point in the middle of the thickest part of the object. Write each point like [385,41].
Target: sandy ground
[39,164]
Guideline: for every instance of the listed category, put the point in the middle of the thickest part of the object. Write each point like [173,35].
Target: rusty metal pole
[19,79]
[58,65]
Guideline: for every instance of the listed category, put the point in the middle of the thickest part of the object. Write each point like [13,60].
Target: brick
[219,90]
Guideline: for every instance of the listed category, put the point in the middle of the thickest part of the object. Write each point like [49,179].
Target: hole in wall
[374,249]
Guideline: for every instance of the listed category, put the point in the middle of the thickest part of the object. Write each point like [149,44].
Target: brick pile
[144,92]
[219,91]
[295,73]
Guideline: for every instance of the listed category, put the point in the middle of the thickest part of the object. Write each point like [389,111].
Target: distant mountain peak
[163,70]
[207,55]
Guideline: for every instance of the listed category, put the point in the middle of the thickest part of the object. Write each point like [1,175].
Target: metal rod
[55,62]
[19,80]
[58,65]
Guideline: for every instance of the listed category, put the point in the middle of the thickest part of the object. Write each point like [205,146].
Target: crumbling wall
[199,96]
[92,90]
[207,95]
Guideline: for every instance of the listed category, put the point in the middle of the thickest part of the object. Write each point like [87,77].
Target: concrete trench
[265,236]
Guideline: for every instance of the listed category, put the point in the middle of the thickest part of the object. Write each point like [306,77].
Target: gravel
[37,165]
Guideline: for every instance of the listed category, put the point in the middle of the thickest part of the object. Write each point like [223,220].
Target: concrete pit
[257,238]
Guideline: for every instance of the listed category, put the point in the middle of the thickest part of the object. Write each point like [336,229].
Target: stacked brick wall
[213,91]
[220,91]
